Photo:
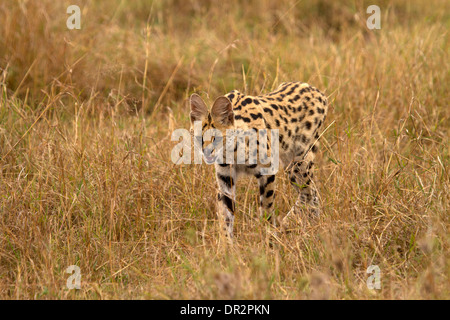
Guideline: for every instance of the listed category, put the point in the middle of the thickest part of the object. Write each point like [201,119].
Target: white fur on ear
[198,108]
[222,111]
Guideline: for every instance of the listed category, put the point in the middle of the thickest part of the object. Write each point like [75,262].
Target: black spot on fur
[228,202]
[245,119]
[226,179]
[256,116]
[308,125]
[268,111]
[304,138]
[270,179]
[299,153]
[261,190]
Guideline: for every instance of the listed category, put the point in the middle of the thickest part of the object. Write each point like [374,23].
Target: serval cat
[297,110]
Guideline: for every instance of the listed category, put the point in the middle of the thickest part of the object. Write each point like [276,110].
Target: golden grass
[85,171]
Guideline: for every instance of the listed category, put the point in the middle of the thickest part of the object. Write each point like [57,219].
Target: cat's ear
[198,108]
[222,112]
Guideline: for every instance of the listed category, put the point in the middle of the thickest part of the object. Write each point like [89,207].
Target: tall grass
[85,172]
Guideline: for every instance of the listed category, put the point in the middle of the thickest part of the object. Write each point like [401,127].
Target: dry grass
[85,171]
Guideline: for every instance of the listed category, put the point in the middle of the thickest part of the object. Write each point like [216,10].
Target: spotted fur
[297,110]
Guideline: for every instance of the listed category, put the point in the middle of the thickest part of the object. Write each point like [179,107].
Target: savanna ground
[86,179]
